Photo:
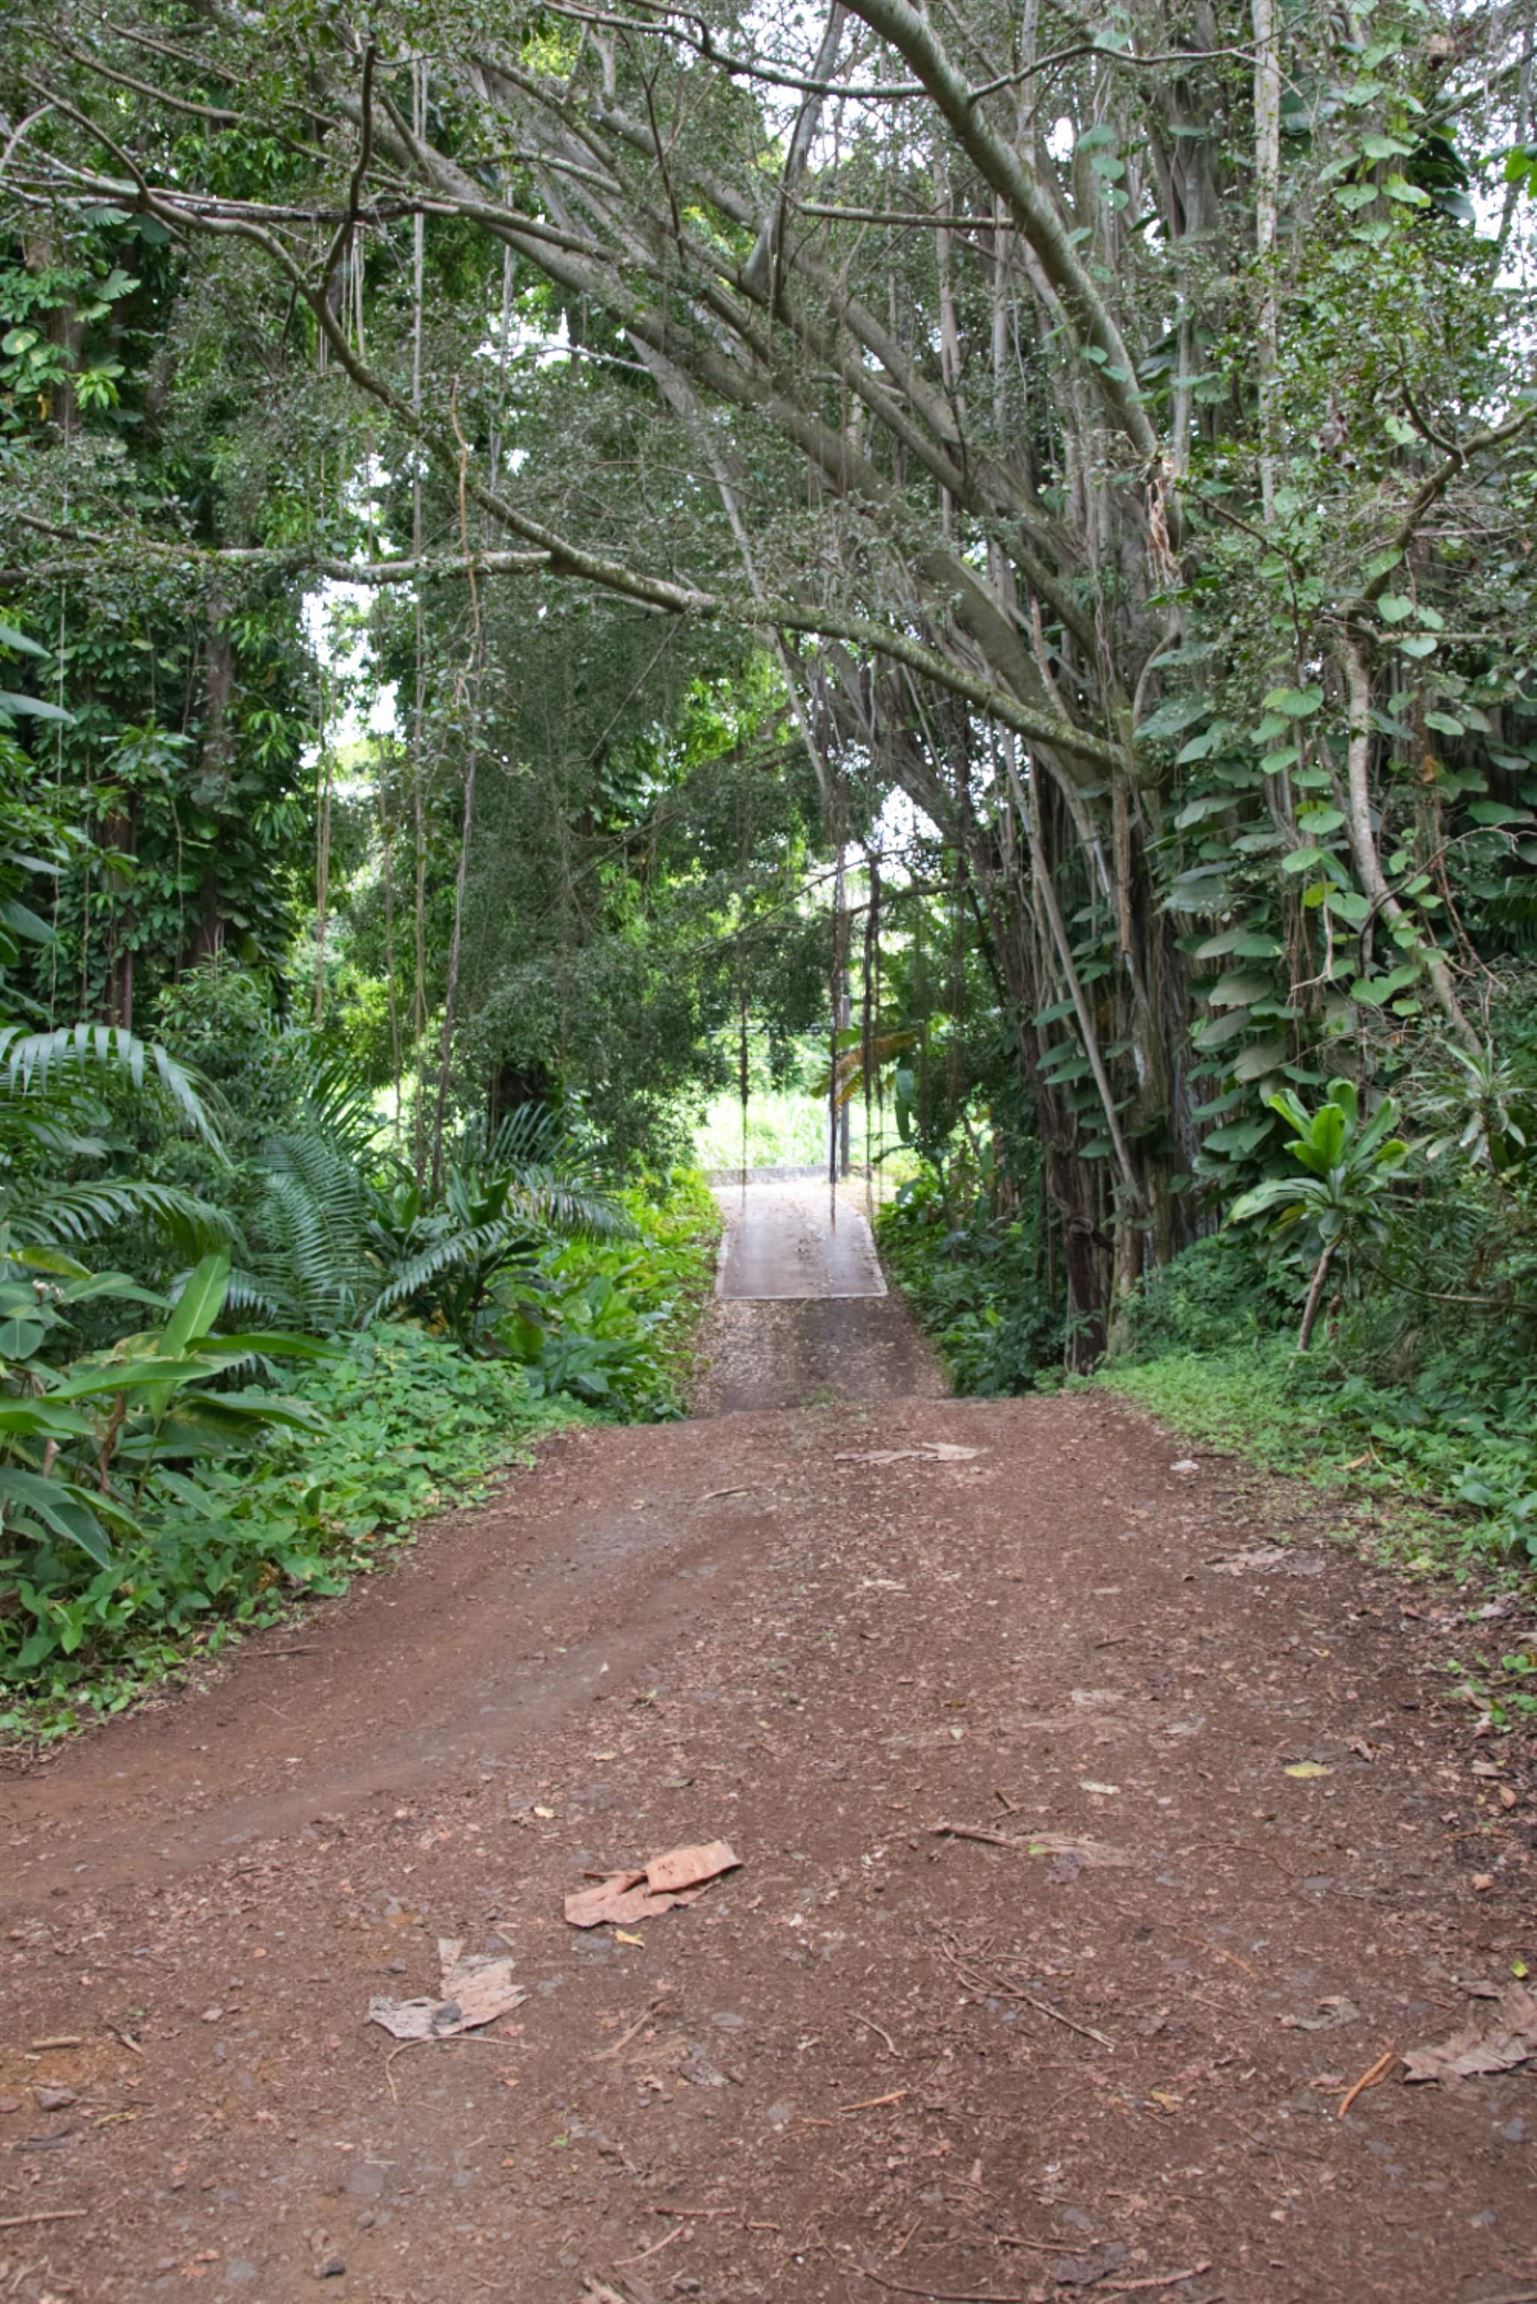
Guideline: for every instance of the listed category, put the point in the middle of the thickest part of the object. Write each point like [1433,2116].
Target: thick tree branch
[1004,168]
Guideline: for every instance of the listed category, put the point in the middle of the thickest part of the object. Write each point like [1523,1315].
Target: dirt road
[1099,2048]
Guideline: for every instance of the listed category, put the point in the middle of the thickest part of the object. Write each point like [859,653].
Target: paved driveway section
[788,1240]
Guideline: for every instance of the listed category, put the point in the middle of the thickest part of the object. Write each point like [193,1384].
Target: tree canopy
[1109,429]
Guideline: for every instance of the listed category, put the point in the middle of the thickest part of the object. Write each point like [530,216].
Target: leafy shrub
[973,1281]
[402,1422]
[611,1322]
[1217,1294]
[1341,1203]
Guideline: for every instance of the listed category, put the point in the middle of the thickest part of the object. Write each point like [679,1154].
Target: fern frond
[30,1061]
[78,1212]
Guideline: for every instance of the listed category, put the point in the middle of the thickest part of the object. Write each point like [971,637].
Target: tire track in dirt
[874,2060]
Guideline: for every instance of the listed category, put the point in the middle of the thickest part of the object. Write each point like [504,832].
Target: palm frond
[454,1252]
[31,1061]
[81,1212]
[311,1255]
[552,1201]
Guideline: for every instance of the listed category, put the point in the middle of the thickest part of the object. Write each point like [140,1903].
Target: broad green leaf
[198,1306]
[32,708]
[1295,703]
[1240,1138]
[1217,1031]
[1197,811]
[55,1506]
[1174,717]
[1240,989]
[22,644]
[146,1373]
[1264,1057]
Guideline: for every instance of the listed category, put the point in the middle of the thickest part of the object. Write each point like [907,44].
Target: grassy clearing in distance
[786,1128]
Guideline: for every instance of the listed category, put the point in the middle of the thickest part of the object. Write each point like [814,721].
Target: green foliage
[174,1508]
[1218,1295]
[394,1428]
[974,1281]
[612,1323]
[1446,1464]
[454,1258]
[84,1447]
[1341,1203]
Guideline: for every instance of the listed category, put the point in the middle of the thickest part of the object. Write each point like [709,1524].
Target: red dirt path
[872,2062]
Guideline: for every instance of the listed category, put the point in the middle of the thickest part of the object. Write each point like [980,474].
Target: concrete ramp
[790,1240]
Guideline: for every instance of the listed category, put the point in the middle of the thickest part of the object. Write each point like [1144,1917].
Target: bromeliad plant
[1341,1202]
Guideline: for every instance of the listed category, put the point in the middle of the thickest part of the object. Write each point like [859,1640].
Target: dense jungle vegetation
[564,560]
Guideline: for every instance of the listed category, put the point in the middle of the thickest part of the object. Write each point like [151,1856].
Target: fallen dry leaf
[936,1451]
[689,1867]
[1497,2042]
[475,1992]
[1306,1770]
[678,1877]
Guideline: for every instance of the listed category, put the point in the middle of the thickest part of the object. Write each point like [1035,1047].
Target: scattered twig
[64,2040]
[447,2040]
[879,2030]
[660,2211]
[995,1983]
[263,1654]
[1043,2247]
[710,1494]
[389,2064]
[42,2216]
[874,2103]
[1045,2008]
[974,1832]
[127,2039]
[1166,2280]
[1371,2078]
[607,2055]
[622,2263]
[933,2295]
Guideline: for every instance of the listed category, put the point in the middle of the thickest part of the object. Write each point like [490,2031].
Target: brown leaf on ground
[475,1992]
[931,1451]
[678,1877]
[1495,2043]
[690,1867]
